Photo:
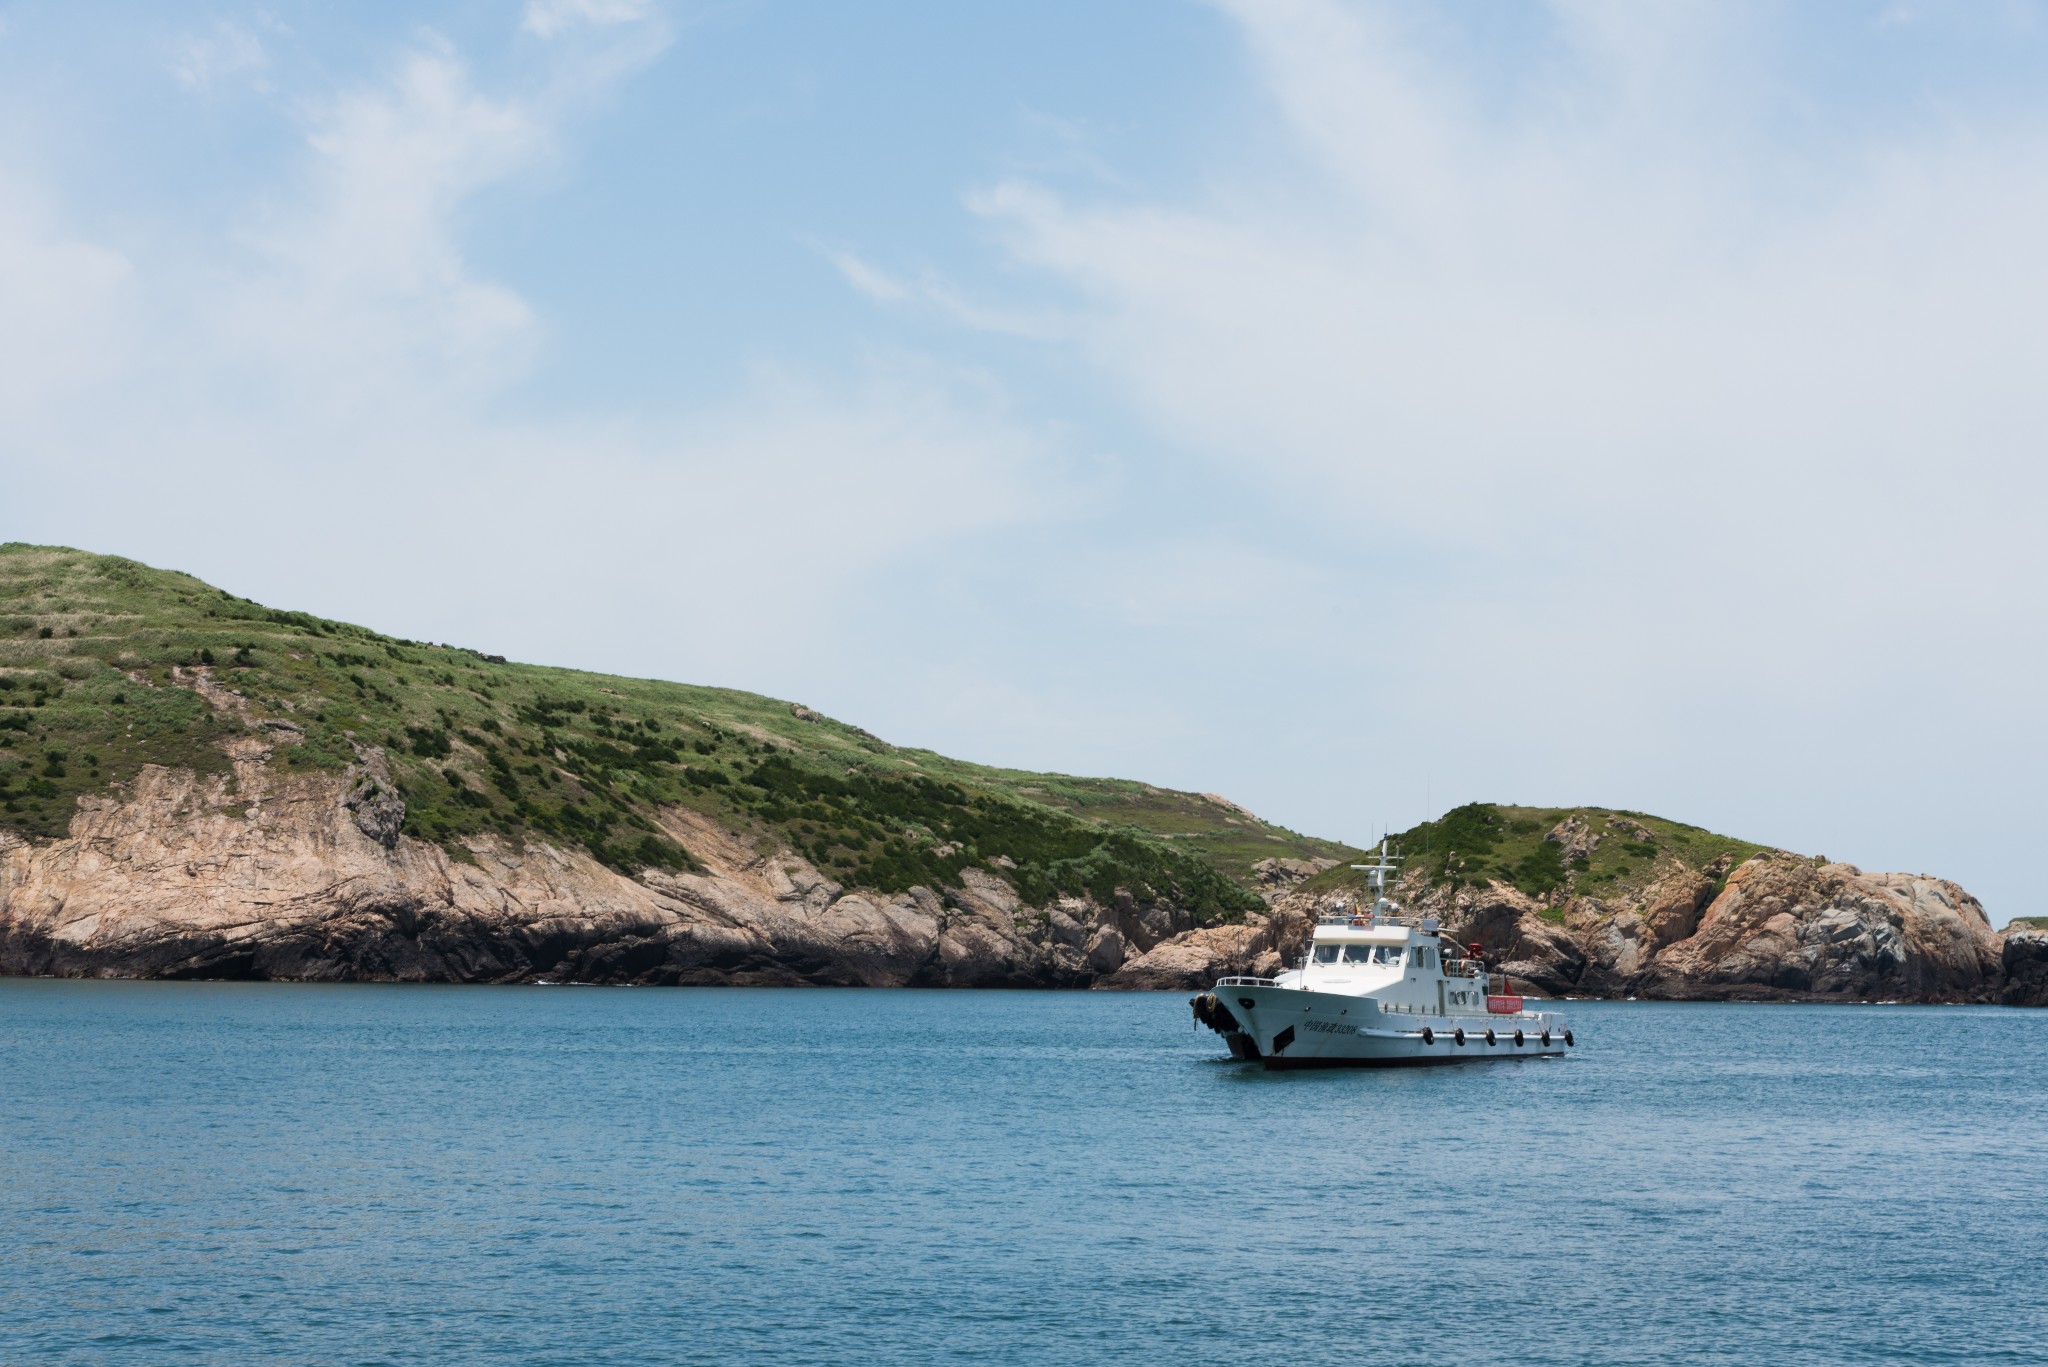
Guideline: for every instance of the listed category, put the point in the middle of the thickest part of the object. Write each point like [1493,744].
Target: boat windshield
[1390,954]
[1326,954]
[1358,954]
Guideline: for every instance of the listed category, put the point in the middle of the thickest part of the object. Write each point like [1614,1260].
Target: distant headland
[193,785]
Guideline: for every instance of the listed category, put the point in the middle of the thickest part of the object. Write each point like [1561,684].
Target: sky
[1354,409]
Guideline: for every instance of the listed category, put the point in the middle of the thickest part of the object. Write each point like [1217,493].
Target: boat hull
[1288,1028]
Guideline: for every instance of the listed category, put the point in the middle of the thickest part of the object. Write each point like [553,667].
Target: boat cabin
[1398,959]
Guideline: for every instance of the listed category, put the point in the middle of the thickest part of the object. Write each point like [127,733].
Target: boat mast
[1376,876]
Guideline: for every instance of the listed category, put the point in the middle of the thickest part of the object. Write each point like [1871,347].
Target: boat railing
[1367,918]
[1453,968]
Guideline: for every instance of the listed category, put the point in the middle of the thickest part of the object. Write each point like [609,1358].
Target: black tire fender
[1428,1035]
[1567,1039]
[1459,1034]
[1518,1039]
[1546,1035]
[1489,1037]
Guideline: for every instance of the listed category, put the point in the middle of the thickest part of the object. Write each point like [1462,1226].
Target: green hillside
[104,663]
[1483,841]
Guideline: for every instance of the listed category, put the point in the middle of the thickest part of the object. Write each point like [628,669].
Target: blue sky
[1352,408]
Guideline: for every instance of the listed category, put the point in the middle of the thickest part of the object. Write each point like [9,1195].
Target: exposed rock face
[1786,926]
[2025,961]
[1616,944]
[378,810]
[270,874]
[1197,958]
[1780,928]
[1277,875]
[1576,838]
[275,875]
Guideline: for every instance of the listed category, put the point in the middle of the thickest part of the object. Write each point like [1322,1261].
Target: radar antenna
[1376,873]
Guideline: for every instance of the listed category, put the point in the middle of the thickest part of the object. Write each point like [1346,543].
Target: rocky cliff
[261,873]
[264,873]
[194,785]
[1774,927]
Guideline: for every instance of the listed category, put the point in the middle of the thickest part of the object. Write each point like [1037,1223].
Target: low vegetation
[1546,851]
[107,665]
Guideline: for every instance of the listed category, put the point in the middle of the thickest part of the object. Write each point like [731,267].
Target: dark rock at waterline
[277,874]
[2025,961]
[1776,927]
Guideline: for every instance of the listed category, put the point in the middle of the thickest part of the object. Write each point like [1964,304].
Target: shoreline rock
[271,874]
[1777,928]
[305,876]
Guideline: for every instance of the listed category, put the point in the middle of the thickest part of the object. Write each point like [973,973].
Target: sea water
[271,1173]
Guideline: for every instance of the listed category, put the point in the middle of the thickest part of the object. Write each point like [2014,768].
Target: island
[193,785]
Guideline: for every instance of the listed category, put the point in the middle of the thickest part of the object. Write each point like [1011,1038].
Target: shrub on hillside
[428,742]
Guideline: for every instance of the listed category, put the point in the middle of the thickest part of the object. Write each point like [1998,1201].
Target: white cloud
[1546,338]
[1229,591]
[1575,439]
[1664,428]
[934,292]
[65,305]
[357,285]
[546,18]
[323,395]
[870,280]
[198,61]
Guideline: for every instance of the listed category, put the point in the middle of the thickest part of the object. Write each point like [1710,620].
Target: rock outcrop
[270,874]
[1784,926]
[2025,961]
[1277,875]
[1777,927]
[194,784]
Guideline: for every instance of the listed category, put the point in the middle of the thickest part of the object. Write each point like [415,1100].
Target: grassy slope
[96,654]
[1470,845]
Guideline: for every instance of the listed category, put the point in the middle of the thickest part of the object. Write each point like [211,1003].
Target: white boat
[1379,987]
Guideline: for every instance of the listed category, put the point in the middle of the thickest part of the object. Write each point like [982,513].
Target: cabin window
[1358,954]
[1390,954]
[1326,954]
[1421,956]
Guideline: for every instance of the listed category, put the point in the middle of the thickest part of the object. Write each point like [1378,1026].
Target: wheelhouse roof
[1371,935]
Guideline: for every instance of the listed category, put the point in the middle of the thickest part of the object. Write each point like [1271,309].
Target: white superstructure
[1378,986]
